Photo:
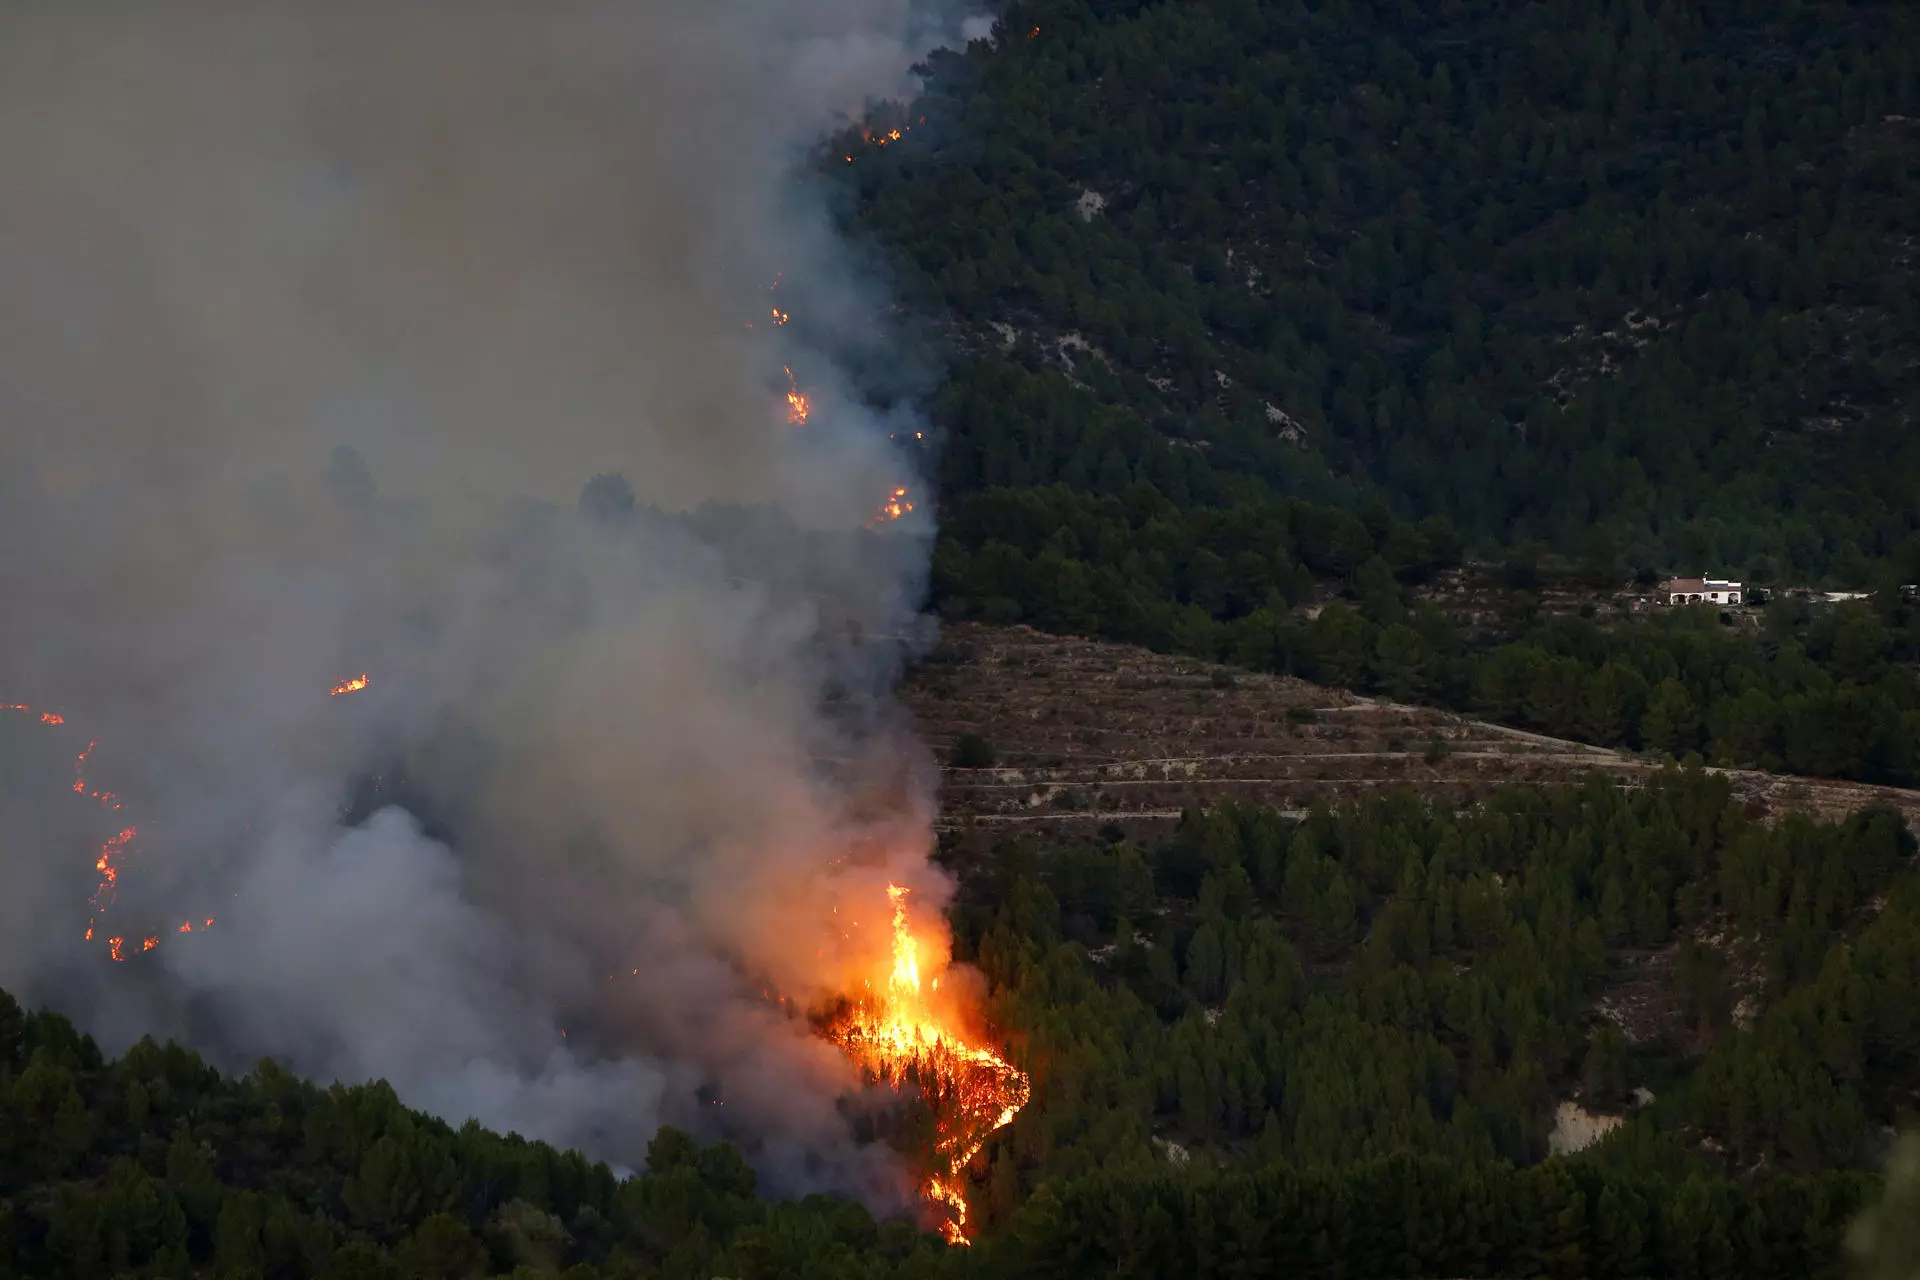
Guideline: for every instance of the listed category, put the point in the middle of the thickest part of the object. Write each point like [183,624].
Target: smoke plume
[315,318]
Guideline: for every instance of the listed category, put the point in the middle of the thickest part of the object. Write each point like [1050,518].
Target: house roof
[1691,585]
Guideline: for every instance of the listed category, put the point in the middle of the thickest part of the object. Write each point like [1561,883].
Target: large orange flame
[355,685]
[893,1031]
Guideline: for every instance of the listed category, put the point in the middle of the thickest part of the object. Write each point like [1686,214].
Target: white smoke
[473,254]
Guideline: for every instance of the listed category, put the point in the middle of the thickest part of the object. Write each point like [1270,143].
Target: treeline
[1330,1045]
[1407,1217]
[1833,692]
[1387,978]
[156,1166]
[1540,270]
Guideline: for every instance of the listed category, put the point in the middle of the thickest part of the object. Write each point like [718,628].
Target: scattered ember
[799,404]
[893,508]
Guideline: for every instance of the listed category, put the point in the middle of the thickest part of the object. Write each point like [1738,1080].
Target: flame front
[893,1032]
[108,860]
[354,685]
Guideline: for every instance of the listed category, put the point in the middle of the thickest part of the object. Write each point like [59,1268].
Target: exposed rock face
[1575,1129]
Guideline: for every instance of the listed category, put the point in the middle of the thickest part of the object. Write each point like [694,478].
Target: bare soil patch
[1087,732]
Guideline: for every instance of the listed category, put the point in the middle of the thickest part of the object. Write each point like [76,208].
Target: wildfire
[107,862]
[880,138]
[893,508]
[893,1034]
[799,404]
[354,685]
[104,864]
[779,316]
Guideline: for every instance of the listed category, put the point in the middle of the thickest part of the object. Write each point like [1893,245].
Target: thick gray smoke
[314,319]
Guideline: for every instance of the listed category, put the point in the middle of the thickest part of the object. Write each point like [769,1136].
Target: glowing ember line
[109,873]
[354,685]
[112,853]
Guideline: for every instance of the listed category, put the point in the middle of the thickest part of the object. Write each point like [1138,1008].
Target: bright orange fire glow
[779,316]
[883,137]
[110,874]
[108,861]
[893,1033]
[893,508]
[799,404]
[354,685]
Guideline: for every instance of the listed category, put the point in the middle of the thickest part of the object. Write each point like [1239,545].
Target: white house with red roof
[1702,591]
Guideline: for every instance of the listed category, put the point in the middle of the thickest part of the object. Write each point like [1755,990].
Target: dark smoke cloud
[314,318]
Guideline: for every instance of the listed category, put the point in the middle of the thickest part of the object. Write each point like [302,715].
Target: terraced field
[1086,732]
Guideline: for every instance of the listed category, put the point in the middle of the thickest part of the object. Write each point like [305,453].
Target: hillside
[154,1166]
[1085,733]
[1222,858]
[1630,279]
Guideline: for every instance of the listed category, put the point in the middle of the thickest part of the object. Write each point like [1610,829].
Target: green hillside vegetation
[1329,1046]
[1638,268]
[1388,978]
[1364,287]
[1829,692]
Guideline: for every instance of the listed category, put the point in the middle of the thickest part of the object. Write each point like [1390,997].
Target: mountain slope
[1545,269]
[1084,732]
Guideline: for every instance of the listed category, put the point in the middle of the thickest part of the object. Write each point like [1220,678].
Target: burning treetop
[894,1031]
